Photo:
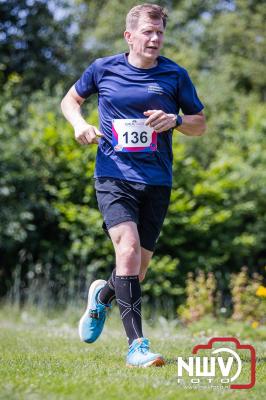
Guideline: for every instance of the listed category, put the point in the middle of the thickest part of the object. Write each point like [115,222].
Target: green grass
[41,357]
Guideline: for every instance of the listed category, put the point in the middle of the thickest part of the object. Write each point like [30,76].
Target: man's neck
[140,63]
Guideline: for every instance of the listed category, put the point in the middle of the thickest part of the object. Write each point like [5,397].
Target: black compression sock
[107,293]
[128,296]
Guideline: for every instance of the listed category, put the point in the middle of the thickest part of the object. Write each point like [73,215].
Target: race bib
[133,135]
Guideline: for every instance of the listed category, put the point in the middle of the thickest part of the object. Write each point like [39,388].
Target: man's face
[146,39]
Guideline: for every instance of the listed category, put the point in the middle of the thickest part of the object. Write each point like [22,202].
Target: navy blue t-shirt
[125,91]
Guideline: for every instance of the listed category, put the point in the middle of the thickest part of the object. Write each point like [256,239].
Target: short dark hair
[152,10]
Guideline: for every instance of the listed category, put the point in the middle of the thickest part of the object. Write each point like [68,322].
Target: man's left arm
[192,125]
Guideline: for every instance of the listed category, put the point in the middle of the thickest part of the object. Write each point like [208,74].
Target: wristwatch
[179,120]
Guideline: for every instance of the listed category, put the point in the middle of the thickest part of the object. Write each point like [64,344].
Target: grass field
[41,357]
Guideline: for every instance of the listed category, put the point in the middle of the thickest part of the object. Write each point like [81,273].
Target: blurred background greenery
[51,242]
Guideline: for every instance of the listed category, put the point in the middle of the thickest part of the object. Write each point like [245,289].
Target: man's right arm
[71,108]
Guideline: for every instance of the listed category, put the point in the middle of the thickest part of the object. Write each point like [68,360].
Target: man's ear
[127,36]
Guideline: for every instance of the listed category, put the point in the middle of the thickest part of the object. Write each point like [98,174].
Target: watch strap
[179,120]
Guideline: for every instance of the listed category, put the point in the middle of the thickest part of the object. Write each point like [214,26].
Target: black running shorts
[146,205]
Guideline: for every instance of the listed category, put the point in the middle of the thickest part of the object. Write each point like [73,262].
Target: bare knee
[128,259]
[128,253]
[126,243]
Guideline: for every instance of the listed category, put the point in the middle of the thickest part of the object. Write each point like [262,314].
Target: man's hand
[71,108]
[159,120]
[87,134]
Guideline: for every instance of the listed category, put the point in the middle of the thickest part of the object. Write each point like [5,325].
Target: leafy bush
[202,298]
[248,297]
[200,293]
[51,242]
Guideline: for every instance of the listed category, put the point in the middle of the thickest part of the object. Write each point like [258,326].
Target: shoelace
[144,346]
[97,313]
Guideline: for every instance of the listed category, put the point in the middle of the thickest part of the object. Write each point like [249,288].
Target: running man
[140,94]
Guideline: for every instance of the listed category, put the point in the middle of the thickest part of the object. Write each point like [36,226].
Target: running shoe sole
[158,362]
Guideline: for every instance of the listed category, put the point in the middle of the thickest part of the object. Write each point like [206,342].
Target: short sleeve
[86,85]
[188,99]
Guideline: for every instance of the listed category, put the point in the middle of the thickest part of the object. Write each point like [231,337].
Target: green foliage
[216,219]
[34,43]
[248,304]
[52,228]
[51,242]
[236,41]
[200,293]
[162,271]
[50,222]
[202,299]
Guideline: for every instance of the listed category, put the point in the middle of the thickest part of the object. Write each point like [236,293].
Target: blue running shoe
[139,355]
[92,322]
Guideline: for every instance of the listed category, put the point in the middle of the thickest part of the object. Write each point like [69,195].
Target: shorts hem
[129,180]
[149,248]
[119,221]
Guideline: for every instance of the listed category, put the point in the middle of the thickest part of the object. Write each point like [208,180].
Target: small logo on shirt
[134,122]
[155,88]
